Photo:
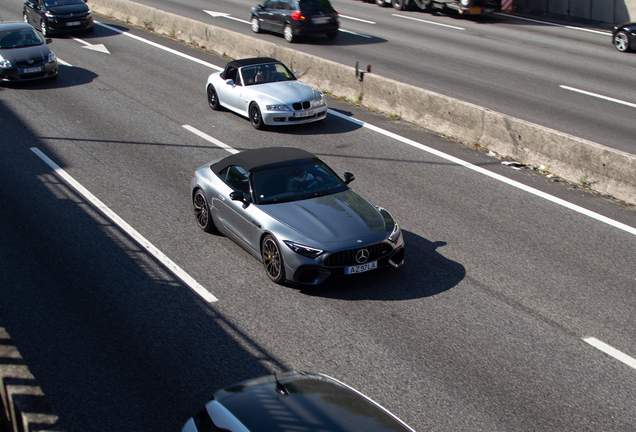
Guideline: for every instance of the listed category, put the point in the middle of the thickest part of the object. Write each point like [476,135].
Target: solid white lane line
[213,140]
[160,256]
[596,95]
[493,175]
[428,22]
[613,352]
[161,47]
[357,19]
[556,25]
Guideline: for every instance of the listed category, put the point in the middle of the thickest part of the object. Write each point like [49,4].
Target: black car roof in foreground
[250,159]
[305,401]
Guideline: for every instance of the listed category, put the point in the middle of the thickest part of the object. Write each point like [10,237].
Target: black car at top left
[24,54]
[58,16]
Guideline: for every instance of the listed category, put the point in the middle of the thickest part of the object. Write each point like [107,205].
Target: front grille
[348,257]
[35,62]
[301,106]
[73,17]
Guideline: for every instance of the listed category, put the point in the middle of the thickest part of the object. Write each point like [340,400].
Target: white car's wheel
[213,98]
[255,117]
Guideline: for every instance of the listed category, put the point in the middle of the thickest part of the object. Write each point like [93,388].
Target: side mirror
[229,82]
[49,40]
[237,196]
[349,177]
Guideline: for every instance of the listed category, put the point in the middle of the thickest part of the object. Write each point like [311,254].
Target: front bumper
[305,271]
[70,24]
[28,73]
[276,118]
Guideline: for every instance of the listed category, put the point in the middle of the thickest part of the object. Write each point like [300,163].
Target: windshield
[19,38]
[266,73]
[297,182]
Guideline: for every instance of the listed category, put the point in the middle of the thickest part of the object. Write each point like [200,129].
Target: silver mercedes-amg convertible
[266,91]
[295,214]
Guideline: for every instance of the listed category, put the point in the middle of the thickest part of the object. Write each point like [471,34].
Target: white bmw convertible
[266,91]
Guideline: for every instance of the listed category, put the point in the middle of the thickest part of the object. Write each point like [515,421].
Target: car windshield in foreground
[296,182]
[19,38]
[266,73]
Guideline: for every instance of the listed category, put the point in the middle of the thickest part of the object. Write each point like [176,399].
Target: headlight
[306,251]
[50,16]
[395,234]
[319,99]
[277,108]
[52,57]
[5,63]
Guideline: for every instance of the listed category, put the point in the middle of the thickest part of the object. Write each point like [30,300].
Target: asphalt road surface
[486,326]
[566,77]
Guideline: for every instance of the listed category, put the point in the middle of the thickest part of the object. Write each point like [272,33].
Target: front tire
[256,27]
[44,28]
[399,4]
[273,259]
[202,212]
[621,41]
[213,98]
[289,34]
[255,117]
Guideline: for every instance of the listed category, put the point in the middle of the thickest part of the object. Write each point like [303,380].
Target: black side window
[271,4]
[231,74]
[283,4]
[236,178]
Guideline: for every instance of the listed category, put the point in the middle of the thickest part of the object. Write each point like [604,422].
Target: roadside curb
[602,169]
[23,406]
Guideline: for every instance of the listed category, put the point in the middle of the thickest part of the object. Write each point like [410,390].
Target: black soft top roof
[250,159]
[250,61]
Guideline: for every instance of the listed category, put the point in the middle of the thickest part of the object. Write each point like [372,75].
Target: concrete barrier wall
[23,407]
[604,169]
[605,11]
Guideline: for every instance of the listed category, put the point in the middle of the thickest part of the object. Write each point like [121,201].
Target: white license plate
[32,69]
[324,20]
[304,114]
[73,23]
[361,268]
